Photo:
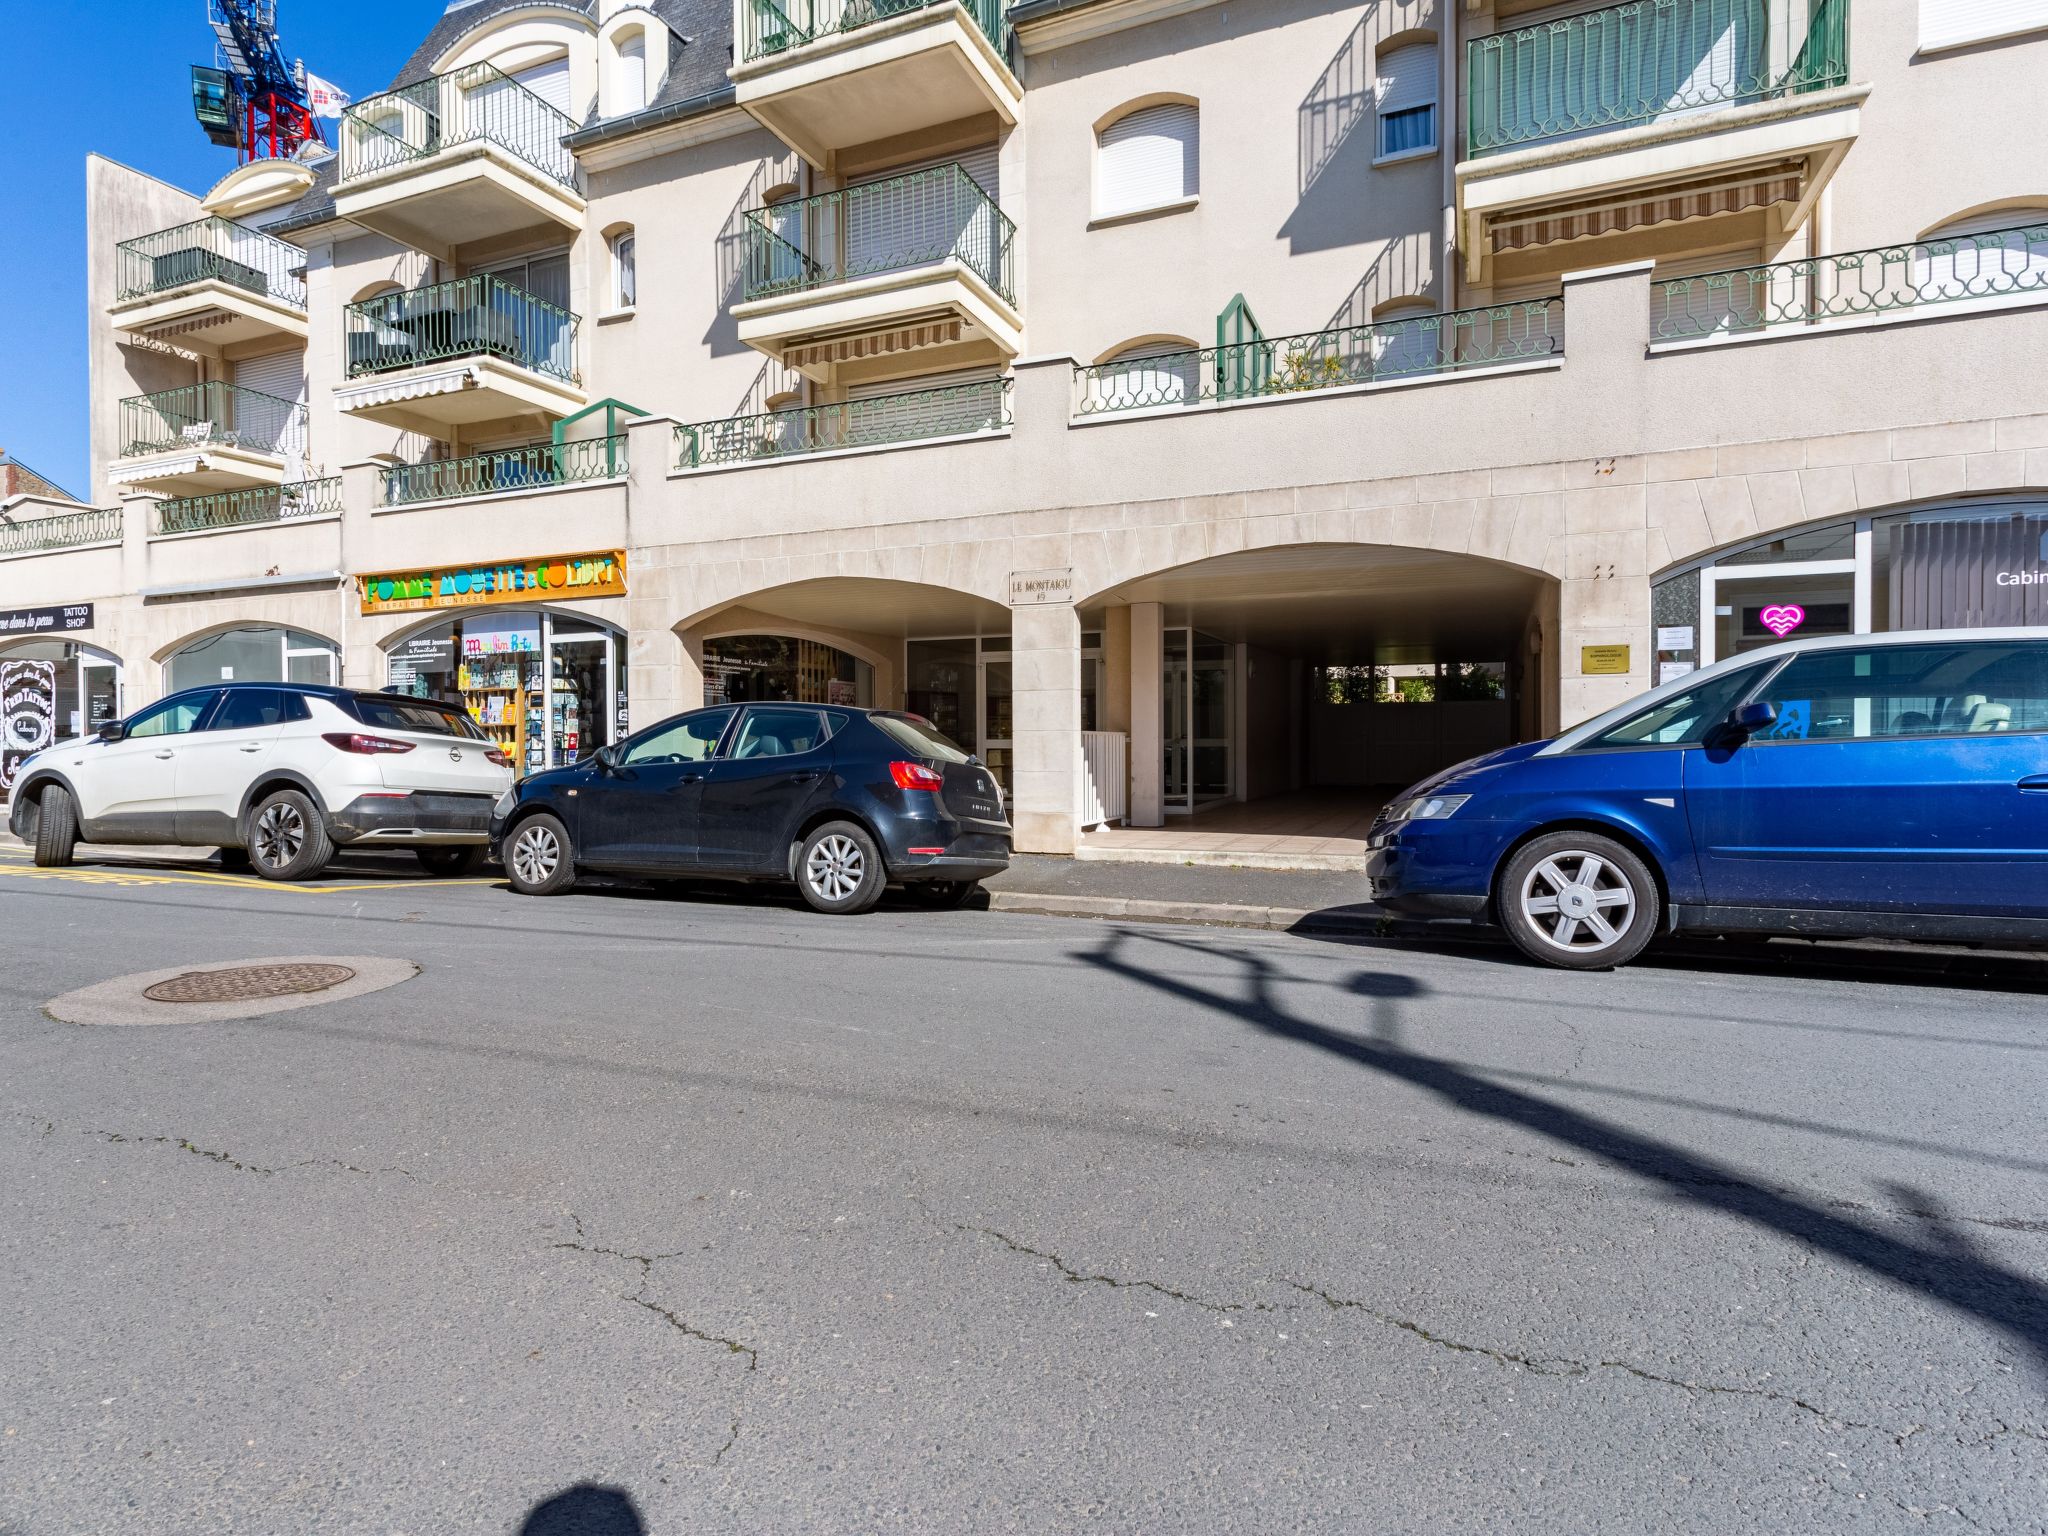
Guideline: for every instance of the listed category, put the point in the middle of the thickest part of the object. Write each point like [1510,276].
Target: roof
[17,479]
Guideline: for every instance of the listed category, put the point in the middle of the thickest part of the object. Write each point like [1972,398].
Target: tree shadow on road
[1950,1270]
[585,1510]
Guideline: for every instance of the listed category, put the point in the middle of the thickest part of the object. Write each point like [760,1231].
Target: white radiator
[1103,777]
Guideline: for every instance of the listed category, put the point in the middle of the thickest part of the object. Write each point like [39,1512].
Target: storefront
[1966,564]
[253,653]
[51,690]
[548,685]
[779,670]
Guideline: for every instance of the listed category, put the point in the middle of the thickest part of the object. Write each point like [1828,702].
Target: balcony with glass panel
[824,75]
[1600,126]
[207,437]
[914,267]
[459,158]
[212,284]
[471,350]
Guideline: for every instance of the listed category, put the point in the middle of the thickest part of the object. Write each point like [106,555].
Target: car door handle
[2036,784]
[689,778]
[802,778]
[160,756]
[251,746]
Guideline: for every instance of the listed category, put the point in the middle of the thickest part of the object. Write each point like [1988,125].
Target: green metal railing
[210,248]
[770,27]
[67,530]
[1946,269]
[465,317]
[912,416]
[477,104]
[1359,354]
[892,225]
[532,468]
[264,504]
[212,415]
[1645,61]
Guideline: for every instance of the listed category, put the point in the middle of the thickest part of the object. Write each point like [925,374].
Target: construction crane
[250,99]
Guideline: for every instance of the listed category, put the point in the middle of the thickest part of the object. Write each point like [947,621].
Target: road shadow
[587,1509]
[734,893]
[1950,1269]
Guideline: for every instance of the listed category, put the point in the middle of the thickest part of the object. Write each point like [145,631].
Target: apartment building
[1179,401]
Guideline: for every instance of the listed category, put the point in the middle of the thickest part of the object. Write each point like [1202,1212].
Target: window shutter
[881,226]
[1981,266]
[1148,157]
[1944,23]
[1736,305]
[870,419]
[269,427]
[1408,77]
[550,82]
[630,83]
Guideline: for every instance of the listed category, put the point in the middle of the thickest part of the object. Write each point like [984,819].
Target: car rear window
[918,735]
[390,712]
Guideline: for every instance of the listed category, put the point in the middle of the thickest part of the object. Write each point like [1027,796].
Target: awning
[157,469]
[412,386]
[848,349]
[1609,216]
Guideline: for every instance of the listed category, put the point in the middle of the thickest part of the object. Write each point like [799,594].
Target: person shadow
[585,1510]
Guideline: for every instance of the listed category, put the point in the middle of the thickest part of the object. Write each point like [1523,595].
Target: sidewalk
[1320,901]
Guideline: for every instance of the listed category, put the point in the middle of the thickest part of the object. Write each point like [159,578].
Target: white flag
[324,99]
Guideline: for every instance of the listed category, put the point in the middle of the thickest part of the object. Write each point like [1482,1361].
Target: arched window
[1149,158]
[1161,372]
[1983,256]
[256,653]
[1407,100]
[1407,338]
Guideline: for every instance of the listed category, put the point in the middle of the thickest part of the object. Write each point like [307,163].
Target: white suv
[283,771]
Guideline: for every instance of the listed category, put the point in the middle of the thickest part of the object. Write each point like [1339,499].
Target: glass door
[580,688]
[1211,684]
[1174,732]
[997,738]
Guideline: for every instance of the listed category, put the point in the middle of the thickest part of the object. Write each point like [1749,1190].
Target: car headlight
[506,801]
[1427,808]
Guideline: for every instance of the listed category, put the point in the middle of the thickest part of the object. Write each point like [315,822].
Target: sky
[121,87]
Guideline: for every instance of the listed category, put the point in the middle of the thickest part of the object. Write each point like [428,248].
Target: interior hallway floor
[1308,829]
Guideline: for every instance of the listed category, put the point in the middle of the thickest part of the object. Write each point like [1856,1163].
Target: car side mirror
[608,758]
[1757,715]
[112,731]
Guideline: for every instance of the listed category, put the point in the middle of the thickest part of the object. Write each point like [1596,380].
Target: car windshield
[918,735]
[1683,719]
[390,712]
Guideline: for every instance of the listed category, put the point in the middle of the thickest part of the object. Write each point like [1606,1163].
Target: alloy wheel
[1578,901]
[280,834]
[536,854]
[836,867]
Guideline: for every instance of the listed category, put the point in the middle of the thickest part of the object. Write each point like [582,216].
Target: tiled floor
[1318,827]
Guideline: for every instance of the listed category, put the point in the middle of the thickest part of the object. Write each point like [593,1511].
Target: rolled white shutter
[630,82]
[1157,373]
[550,82]
[1148,157]
[1951,265]
[1407,77]
[872,419]
[1735,305]
[1944,23]
[269,427]
[884,224]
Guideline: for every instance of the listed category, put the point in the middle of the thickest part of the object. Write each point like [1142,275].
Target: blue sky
[126,95]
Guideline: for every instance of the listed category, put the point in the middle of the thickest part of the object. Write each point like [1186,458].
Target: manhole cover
[242,983]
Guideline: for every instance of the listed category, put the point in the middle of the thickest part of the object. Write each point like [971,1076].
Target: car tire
[839,870]
[234,859]
[538,859]
[1560,895]
[288,836]
[942,895]
[56,828]
[452,861]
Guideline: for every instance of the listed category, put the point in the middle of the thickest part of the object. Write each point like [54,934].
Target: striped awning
[849,349]
[1699,201]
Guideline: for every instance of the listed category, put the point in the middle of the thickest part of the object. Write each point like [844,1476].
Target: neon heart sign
[1782,618]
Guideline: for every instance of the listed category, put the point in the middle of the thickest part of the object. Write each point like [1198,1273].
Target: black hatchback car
[842,801]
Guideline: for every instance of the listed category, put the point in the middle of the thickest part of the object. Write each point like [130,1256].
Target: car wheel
[451,863]
[288,837]
[538,859]
[56,827]
[839,869]
[1579,901]
[942,895]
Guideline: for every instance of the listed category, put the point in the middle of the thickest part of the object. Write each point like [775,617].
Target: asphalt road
[637,1212]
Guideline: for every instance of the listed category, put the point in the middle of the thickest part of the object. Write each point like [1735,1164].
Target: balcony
[468,156]
[471,350]
[66,530]
[242,509]
[1654,112]
[207,437]
[824,75]
[536,468]
[902,266]
[874,421]
[212,284]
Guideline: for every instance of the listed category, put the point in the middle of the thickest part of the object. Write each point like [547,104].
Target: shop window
[53,690]
[1148,158]
[260,653]
[1406,112]
[779,669]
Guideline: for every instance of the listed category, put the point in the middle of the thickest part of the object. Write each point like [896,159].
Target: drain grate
[243,983]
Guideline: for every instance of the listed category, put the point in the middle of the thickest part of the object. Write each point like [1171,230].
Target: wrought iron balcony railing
[477,104]
[1946,269]
[914,220]
[211,415]
[263,504]
[1644,62]
[210,248]
[533,468]
[464,317]
[67,530]
[1358,354]
[770,27]
[915,415]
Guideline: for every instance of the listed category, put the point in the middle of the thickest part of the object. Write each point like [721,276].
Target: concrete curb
[1215,914]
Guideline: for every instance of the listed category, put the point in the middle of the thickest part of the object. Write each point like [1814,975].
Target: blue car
[1855,786]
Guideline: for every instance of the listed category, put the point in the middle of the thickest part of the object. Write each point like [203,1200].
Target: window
[629,74]
[1407,338]
[1947,23]
[1150,158]
[384,712]
[625,286]
[1682,720]
[917,735]
[1984,256]
[255,654]
[1911,690]
[1152,373]
[1407,100]
[248,709]
[778,733]
[173,717]
[691,739]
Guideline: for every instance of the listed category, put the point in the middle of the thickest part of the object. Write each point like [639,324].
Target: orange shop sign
[512,581]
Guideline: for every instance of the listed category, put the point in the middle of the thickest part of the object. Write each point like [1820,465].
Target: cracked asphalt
[704,1216]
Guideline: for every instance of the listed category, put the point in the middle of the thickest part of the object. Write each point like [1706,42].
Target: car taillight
[915,776]
[497,759]
[369,746]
